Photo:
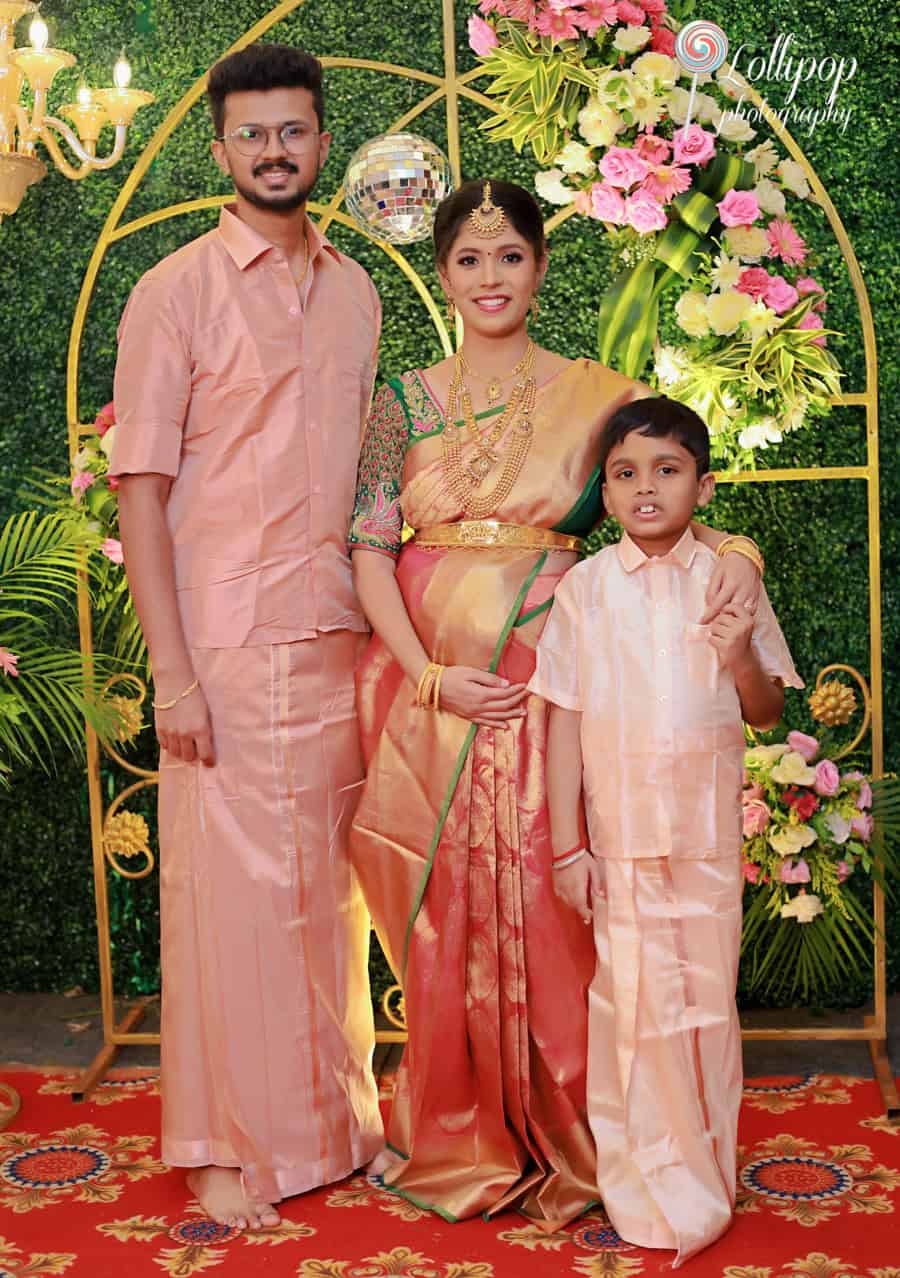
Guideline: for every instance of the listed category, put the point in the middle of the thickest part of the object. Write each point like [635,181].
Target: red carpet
[84,1194]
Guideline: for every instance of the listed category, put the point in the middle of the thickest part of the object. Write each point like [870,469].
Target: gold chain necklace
[494,387]
[298,279]
[463,480]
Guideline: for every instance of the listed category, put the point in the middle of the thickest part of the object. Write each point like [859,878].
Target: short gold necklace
[494,388]
[463,479]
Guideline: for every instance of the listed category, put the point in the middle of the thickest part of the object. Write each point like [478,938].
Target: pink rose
[105,419]
[754,281]
[844,870]
[812,320]
[693,145]
[493,6]
[757,816]
[828,779]
[862,826]
[630,13]
[655,7]
[113,550]
[752,790]
[808,285]
[651,148]
[607,204]
[739,208]
[801,744]
[644,213]
[582,203]
[865,796]
[780,295]
[794,872]
[482,36]
[662,40]
[622,167]
[751,872]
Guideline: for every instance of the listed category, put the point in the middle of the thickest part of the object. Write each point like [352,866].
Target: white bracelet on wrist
[570,859]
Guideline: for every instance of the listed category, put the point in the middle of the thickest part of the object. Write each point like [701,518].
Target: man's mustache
[280,165]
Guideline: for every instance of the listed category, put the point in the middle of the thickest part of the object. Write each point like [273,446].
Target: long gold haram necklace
[298,279]
[463,480]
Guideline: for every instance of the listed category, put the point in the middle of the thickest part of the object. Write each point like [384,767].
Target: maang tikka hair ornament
[488,220]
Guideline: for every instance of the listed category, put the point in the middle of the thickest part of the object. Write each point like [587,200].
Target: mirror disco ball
[393,185]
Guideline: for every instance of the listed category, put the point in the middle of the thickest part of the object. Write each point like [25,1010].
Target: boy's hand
[572,886]
[730,634]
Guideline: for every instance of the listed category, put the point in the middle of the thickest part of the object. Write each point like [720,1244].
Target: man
[245,369]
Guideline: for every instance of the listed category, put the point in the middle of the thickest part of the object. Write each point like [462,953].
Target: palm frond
[39,558]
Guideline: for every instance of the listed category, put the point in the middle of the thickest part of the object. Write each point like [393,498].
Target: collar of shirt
[245,246]
[682,553]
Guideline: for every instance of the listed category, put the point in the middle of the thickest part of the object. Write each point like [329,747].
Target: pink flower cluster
[636,185]
[569,19]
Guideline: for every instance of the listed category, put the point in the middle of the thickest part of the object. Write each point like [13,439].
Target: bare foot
[266,1215]
[221,1195]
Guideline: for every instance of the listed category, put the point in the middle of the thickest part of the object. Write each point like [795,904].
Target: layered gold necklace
[494,387]
[464,479]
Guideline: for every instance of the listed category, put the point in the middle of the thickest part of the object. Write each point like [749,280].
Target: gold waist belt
[489,532]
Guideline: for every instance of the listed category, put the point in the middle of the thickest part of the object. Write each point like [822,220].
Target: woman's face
[493,281]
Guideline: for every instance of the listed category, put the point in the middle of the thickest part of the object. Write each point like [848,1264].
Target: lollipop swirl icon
[701,48]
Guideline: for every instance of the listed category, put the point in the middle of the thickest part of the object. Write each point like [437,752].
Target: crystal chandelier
[21,130]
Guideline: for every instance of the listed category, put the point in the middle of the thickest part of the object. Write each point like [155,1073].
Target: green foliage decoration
[813,535]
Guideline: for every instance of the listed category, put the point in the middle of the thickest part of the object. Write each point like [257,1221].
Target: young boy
[646,710]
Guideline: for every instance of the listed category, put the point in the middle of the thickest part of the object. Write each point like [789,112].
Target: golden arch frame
[448,89]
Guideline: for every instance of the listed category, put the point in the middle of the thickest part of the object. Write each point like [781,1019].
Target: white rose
[731,82]
[706,108]
[106,443]
[615,87]
[726,272]
[790,840]
[793,177]
[598,125]
[749,243]
[726,310]
[690,312]
[82,459]
[733,128]
[761,434]
[575,158]
[656,67]
[766,754]
[630,39]
[763,158]
[796,415]
[677,102]
[804,907]
[770,197]
[550,187]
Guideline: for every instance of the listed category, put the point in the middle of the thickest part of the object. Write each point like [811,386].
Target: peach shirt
[661,730]
[252,395]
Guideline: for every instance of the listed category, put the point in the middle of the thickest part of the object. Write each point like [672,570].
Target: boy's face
[651,488]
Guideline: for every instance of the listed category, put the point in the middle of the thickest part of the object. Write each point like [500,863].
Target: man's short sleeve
[770,646]
[152,384]
[556,676]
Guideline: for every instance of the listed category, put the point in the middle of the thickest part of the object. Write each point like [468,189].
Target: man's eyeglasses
[252,139]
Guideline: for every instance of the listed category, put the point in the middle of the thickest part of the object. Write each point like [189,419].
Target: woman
[490,457]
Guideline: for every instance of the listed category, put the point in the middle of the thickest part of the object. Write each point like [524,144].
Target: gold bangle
[424,681]
[745,546]
[167,705]
[436,692]
[425,688]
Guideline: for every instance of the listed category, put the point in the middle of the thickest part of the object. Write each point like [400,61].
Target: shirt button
[662,652]
[664,699]
[294,312]
[317,488]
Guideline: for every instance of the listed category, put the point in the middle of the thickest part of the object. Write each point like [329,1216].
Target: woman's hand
[735,580]
[573,886]
[482,697]
[185,731]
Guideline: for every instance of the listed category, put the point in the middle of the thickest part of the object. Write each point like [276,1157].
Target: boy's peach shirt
[661,728]
[252,397]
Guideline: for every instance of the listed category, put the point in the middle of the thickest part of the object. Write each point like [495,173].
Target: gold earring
[535,307]
[451,312]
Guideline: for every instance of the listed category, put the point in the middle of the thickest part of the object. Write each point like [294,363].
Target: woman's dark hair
[260,67]
[520,207]
[657,417]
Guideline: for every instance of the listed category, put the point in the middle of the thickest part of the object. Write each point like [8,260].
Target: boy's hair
[657,417]
[261,67]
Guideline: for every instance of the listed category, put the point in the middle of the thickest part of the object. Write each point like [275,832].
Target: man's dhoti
[664,1056]
[267,1030]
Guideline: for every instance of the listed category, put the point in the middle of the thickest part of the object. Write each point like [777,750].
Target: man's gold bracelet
[167,705]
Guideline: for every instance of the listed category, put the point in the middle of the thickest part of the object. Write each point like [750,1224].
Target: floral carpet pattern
[84,1194]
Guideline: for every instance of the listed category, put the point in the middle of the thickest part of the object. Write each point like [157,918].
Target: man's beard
[276,203]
